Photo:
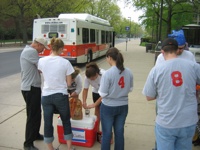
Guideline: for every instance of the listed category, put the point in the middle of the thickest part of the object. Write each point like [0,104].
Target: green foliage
[7,34]
[24,11]
[143,44]
[175,14]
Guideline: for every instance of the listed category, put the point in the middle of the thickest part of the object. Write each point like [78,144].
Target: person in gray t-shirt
[31,90]
[115,85]
[172,84]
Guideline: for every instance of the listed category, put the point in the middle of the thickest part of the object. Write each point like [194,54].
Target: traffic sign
[127,28]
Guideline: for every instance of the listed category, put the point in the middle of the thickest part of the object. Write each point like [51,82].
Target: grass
[143,44]
[11,41]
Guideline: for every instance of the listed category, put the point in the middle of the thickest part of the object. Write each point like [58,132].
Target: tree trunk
[17,28]
[157,28]
[169,19]
[24,32]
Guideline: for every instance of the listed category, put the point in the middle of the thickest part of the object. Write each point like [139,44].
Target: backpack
[75,105]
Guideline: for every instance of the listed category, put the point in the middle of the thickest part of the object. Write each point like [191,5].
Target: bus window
[53,28]
[103,39]
[85,35]
[108,37]
[92,35]
[97,36]
[44,29]
[53,34]
[78,33]
[62,28]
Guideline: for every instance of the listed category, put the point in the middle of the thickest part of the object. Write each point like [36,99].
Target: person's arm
[150,89]
[84,97]
[68,80]
[160,59]
[79,87]
[39,67]
[104,86]
[95,104]
[78,81]
[150,98]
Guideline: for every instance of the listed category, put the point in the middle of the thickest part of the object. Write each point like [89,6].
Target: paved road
[9,59]
[9,63]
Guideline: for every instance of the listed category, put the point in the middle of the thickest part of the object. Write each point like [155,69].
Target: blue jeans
[113,117]
[60,102]
[174,139]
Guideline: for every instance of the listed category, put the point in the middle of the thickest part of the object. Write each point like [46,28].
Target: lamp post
[130,29]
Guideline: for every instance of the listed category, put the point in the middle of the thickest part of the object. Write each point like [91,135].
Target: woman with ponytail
[115,85]
[57,78]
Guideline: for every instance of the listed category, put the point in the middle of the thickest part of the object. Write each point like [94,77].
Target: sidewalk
[139,127]
[12,46]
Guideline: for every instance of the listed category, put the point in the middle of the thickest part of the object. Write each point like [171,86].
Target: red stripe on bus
[77,50]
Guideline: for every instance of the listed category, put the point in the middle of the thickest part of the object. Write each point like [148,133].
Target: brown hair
[116,56]
[75,73]
[56,44]
[170,48]
[91,70]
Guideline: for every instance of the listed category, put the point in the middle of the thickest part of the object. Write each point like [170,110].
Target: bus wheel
[89,57]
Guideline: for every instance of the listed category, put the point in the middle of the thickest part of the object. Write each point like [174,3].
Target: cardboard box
[84,131]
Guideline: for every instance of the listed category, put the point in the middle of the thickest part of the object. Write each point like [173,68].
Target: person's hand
[84,105]
[74,95]
[91,106]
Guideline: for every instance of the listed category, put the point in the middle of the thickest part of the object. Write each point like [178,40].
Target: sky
[129,11]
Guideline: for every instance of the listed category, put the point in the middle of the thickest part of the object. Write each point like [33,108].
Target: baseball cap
[180,39]
[169,41]
[42,41]
[178,36]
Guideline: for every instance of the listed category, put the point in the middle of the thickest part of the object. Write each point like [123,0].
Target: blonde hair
[56,44]
[75,73]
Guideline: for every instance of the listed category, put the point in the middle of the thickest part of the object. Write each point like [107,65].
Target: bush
[145,39]
[9,34]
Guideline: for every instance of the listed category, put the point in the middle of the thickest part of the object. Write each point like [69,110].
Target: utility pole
[130,29]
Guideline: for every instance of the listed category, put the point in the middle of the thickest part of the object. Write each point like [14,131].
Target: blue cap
[180,39]
[178,36]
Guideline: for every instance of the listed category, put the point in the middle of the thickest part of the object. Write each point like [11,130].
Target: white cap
[42,41]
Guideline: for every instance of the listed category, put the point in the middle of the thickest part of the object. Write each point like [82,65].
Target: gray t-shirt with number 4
[114,87]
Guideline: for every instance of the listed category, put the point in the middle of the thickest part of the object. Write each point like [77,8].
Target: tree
[23,12]
[175,13]
[16,9]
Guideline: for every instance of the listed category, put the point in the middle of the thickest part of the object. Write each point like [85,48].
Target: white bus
[86,37]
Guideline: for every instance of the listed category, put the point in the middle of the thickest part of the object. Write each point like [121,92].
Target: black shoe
[40,137]
[32,147]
